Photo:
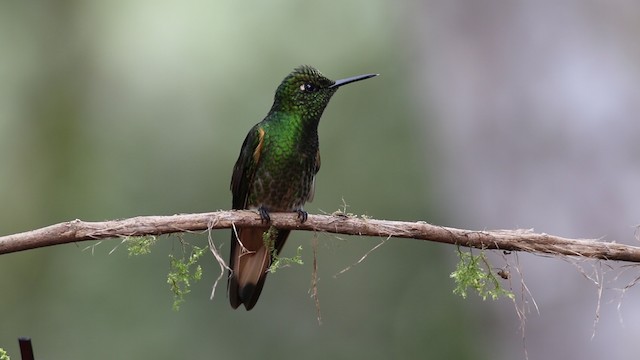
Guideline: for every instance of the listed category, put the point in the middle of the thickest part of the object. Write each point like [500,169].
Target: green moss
[183,271]
[140,245]
[474,272]
[280,262]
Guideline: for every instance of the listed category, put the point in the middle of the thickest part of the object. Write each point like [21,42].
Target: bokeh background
[488,114]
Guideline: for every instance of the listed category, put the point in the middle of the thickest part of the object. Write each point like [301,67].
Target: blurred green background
[123,108]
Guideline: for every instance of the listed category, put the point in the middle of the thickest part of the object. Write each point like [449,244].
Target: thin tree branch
[508,240]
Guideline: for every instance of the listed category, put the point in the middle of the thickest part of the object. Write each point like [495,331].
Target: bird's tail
[250,259]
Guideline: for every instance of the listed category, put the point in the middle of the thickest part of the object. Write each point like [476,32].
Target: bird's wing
[316,168]
[246,165]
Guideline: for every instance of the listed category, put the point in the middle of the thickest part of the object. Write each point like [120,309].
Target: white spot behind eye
[307,87]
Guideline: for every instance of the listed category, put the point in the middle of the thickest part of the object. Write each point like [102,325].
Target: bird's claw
[264,215]
[302,215]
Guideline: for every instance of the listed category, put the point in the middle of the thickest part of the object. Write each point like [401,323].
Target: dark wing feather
[245,167]
[246,289]
[316,168]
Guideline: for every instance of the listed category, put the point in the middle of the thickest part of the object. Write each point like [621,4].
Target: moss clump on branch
[280,262]
[4,355]
[470,273]
[183,271]
[140,245]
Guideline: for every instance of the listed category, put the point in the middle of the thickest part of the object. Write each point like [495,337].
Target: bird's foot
[302,215]
[264,215]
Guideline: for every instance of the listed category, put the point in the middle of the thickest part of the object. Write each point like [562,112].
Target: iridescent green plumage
[275,172]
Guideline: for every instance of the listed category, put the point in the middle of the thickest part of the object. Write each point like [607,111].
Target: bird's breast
[283,178]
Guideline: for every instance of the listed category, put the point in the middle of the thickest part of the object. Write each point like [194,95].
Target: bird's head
[307,91]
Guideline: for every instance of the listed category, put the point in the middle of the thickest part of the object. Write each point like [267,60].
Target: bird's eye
[307,87]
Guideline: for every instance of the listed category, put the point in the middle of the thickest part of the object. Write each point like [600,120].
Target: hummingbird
[275,172]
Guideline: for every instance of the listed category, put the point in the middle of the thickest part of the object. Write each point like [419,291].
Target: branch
[508,240]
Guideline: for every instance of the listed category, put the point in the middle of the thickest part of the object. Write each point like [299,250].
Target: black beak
[349,80]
